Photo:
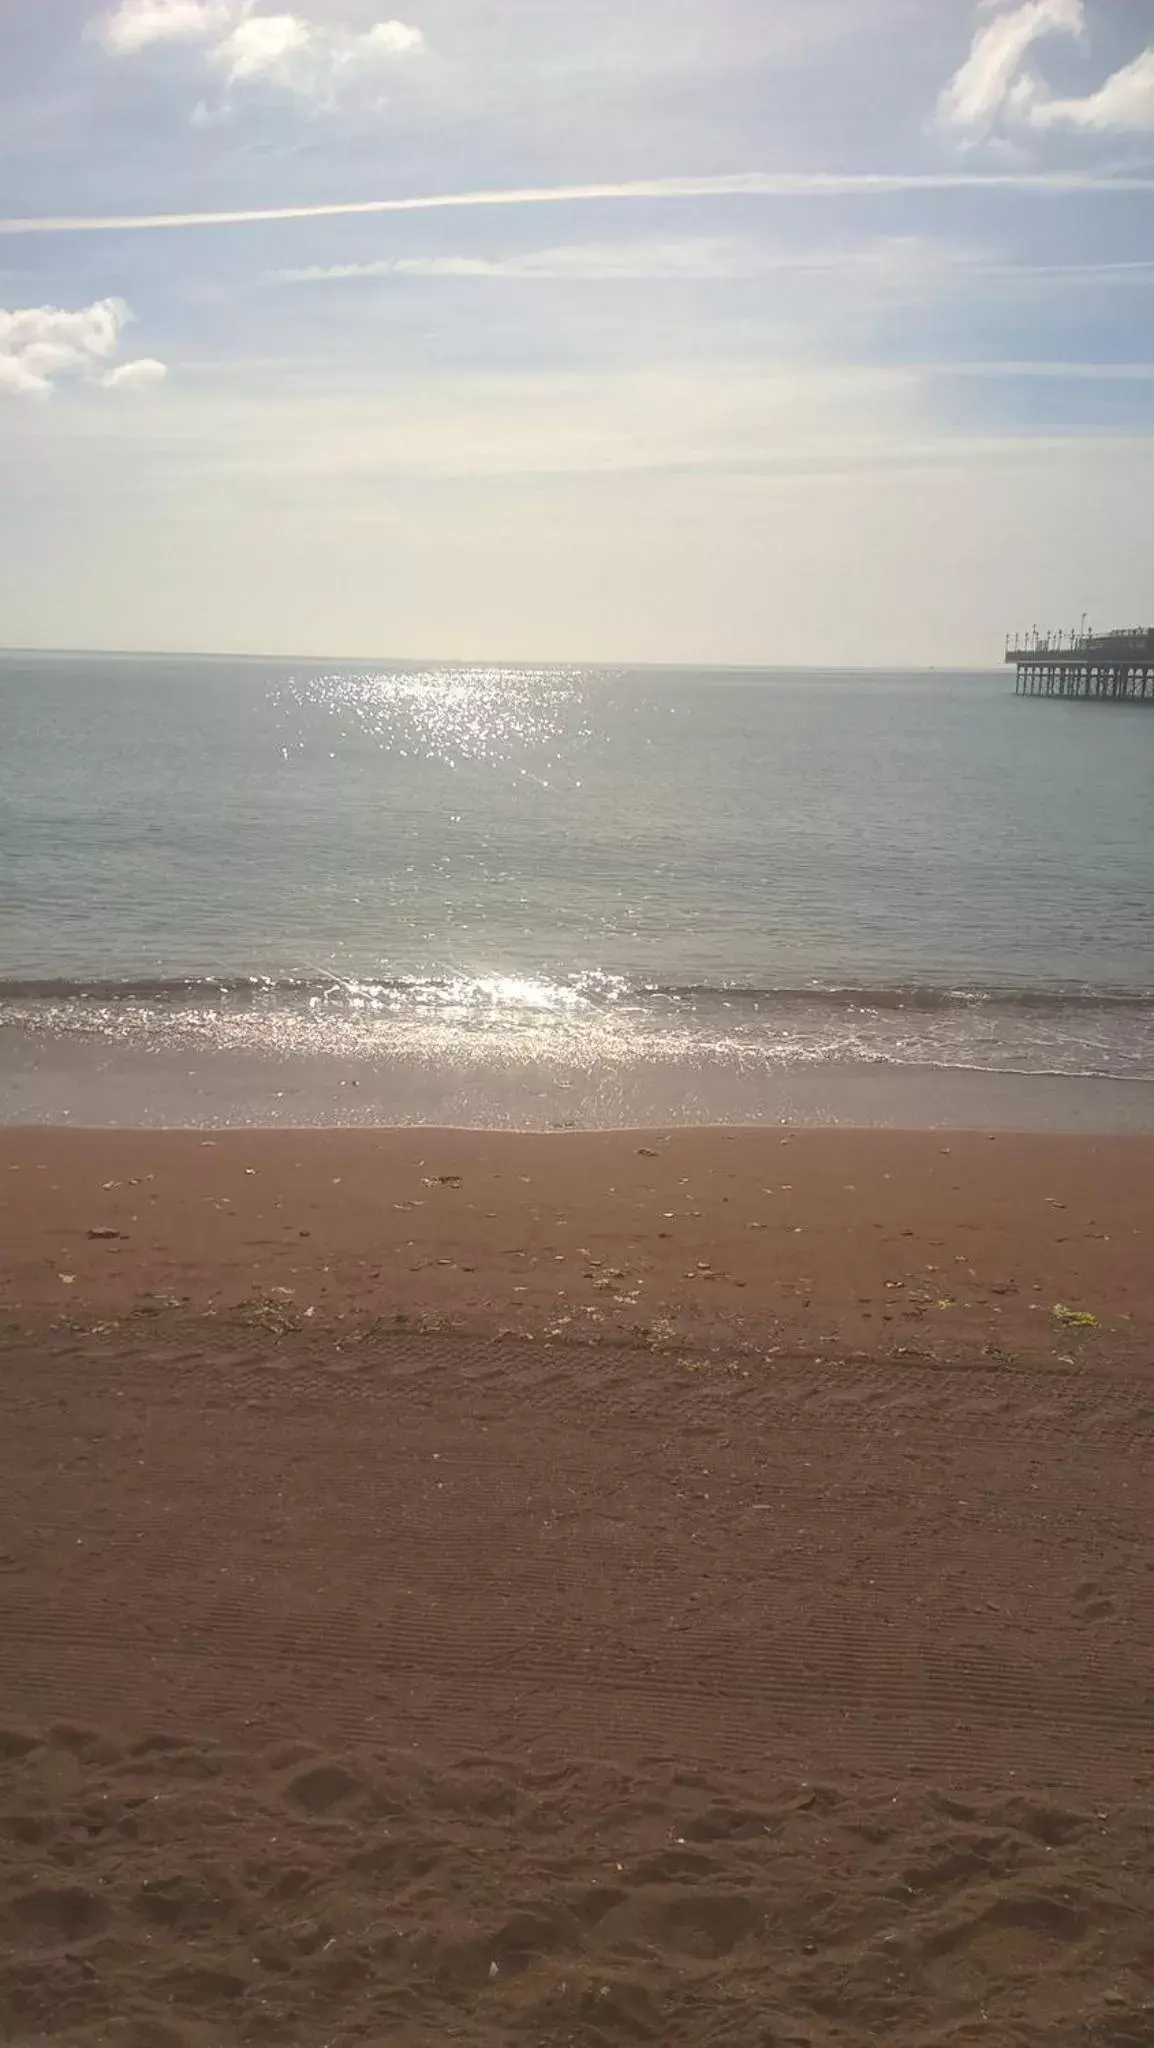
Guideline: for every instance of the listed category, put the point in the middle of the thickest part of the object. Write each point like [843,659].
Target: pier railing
[1115,668]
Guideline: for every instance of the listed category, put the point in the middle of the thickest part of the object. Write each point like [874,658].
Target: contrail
[747,184]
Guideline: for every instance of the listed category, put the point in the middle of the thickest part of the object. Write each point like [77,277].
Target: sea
[307,892]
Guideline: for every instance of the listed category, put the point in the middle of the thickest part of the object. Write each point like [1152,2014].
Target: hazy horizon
[414,657]
[701,332]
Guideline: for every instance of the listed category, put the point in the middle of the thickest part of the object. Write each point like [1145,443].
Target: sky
[735,331]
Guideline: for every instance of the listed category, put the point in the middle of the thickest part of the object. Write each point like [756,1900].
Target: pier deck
[1112,668]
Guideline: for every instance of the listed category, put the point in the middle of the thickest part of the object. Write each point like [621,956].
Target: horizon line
[736,185]
[506,661]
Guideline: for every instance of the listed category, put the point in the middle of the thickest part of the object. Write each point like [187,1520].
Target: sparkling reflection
[485,714]
[465,1024]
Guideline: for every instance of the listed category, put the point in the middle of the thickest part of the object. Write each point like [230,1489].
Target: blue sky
[748,330]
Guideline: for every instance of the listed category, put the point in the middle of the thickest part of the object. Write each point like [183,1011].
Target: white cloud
[41,346]
[895,260]
[1124,105]
[800,185]
[301,59]
[978,92]
[263,46]
[576,262]
[307,61]
[137,24]
[992,86]
[136,376]
[393,39]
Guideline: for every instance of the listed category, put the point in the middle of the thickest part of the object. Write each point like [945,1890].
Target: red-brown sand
[748,1649]
[874,1240]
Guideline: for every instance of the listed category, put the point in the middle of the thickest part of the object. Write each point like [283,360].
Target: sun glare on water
[489,715]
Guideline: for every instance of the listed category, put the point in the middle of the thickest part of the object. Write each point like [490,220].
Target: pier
[1106,668]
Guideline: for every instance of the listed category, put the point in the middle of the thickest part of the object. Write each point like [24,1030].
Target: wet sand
[91,1079]
[747,1648]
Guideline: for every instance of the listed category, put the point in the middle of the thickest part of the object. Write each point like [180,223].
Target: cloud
[137,24]
[41,346]
[739,185]
[137,376]
[266,46]
[1065,372]
[1124,105]
[576,262]
[975,96]
[302,60]
[898,261]
[307,61]
[991,87]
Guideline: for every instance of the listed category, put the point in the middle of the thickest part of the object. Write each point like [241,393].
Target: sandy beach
[586,1589]
[576,1025]
[870,1240]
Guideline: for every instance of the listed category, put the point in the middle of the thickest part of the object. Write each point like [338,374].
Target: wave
[592,989]
[466,1025]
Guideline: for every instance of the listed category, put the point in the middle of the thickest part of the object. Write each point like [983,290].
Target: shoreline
[488,1085]
[876,1241]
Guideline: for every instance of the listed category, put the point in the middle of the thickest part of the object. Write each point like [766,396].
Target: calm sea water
[915,870]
